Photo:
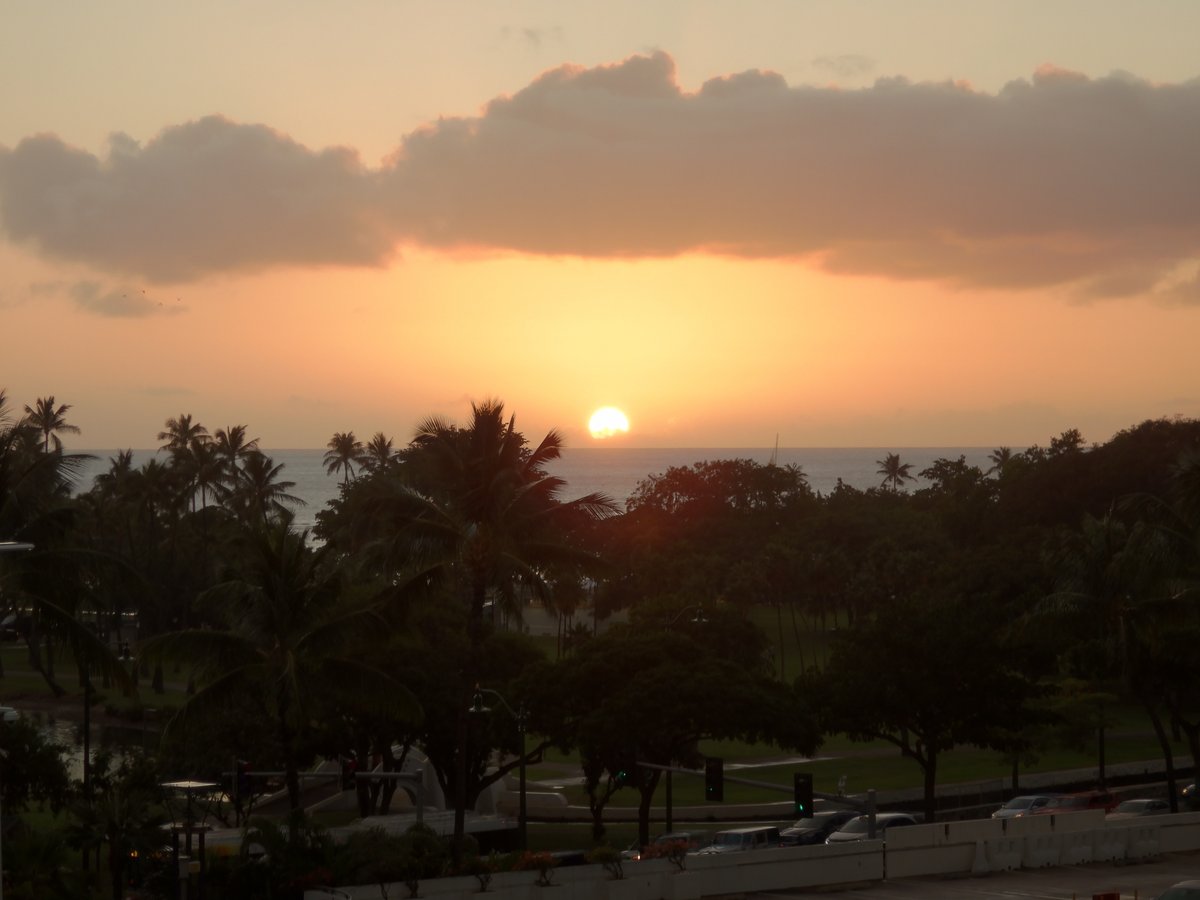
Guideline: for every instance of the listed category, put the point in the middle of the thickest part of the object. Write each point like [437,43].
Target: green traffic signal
[714,779]
[802,794]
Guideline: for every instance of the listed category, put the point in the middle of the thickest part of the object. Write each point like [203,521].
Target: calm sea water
[617,471]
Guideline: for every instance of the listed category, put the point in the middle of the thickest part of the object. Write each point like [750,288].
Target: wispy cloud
[1059,179]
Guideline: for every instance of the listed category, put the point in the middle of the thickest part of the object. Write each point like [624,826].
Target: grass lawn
[877,764]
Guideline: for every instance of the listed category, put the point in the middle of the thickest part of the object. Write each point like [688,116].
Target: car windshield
[728,840]
[1019,803]
[858,825]
[816,823]
[1180,893]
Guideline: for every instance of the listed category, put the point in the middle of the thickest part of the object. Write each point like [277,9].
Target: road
[1143,881]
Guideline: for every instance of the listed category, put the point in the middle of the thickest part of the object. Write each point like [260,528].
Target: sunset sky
[880,224]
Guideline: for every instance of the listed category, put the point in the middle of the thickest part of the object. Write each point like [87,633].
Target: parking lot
[1139,880]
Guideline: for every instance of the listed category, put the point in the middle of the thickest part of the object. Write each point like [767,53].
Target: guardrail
[948,848]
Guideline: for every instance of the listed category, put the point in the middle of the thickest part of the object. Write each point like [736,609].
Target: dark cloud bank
[1061,179]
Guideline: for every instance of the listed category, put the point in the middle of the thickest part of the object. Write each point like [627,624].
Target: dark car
[816,829]
[1130,809]
[1078,803]
[734,840]
[859,828]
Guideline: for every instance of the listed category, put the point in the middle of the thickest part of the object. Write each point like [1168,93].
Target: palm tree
[894,472]
[181,434]
[290,642]
[345,452]
[378,453]
[50,421]
[261,495]
[207,469]
[476,510]
[1000,458]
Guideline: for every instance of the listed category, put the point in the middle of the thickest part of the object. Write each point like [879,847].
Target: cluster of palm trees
[896,473]
[226,466]
[346,453]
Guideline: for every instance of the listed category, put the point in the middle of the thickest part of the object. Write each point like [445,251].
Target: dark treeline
[1007,609]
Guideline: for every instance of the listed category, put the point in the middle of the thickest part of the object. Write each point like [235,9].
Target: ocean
[616,471]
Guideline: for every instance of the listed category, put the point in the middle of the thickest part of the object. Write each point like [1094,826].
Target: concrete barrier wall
[1182,835]
[958,848]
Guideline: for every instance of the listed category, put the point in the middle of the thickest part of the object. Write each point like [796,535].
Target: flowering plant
[609,858]
[482,867]
[538,860]
[674,851]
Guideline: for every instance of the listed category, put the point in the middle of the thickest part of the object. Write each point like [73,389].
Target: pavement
[1141,880]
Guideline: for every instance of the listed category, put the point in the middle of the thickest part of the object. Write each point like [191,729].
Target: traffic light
[625,772]
[714,779]
[802,795]
[349,768]
[242,780]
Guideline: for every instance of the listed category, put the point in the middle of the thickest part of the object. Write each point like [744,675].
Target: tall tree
[894,472]
[1000,458]
[344,453]
[378,453]
[51,421]
[477,512]
[262,495]
[926,677]
[233,447]
[289,641]
[181,433]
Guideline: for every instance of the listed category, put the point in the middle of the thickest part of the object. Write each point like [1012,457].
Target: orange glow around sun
[607,421]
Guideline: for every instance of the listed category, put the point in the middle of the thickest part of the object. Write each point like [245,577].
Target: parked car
[1184,890]
[695,840]
[817,828]
[734,840]
[1022,806]
[1078,802]
[1130,809]
[858,828]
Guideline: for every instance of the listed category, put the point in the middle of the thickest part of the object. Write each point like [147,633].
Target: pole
[670,815]
[4,756]
[522,812]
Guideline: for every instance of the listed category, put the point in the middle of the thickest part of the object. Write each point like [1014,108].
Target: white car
[1022,806]
[859,828]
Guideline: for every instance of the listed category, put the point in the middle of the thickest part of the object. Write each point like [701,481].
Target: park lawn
[887,771]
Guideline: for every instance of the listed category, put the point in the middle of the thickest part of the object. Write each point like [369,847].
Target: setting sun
[607,421]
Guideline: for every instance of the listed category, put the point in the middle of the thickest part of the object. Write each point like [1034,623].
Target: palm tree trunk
[475,636]
[929,766]
[1164,742]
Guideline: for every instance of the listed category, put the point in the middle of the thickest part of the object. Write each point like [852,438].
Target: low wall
[973,847]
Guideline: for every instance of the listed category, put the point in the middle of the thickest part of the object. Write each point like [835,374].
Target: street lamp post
[8,547]
[184,864]
[520,715]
